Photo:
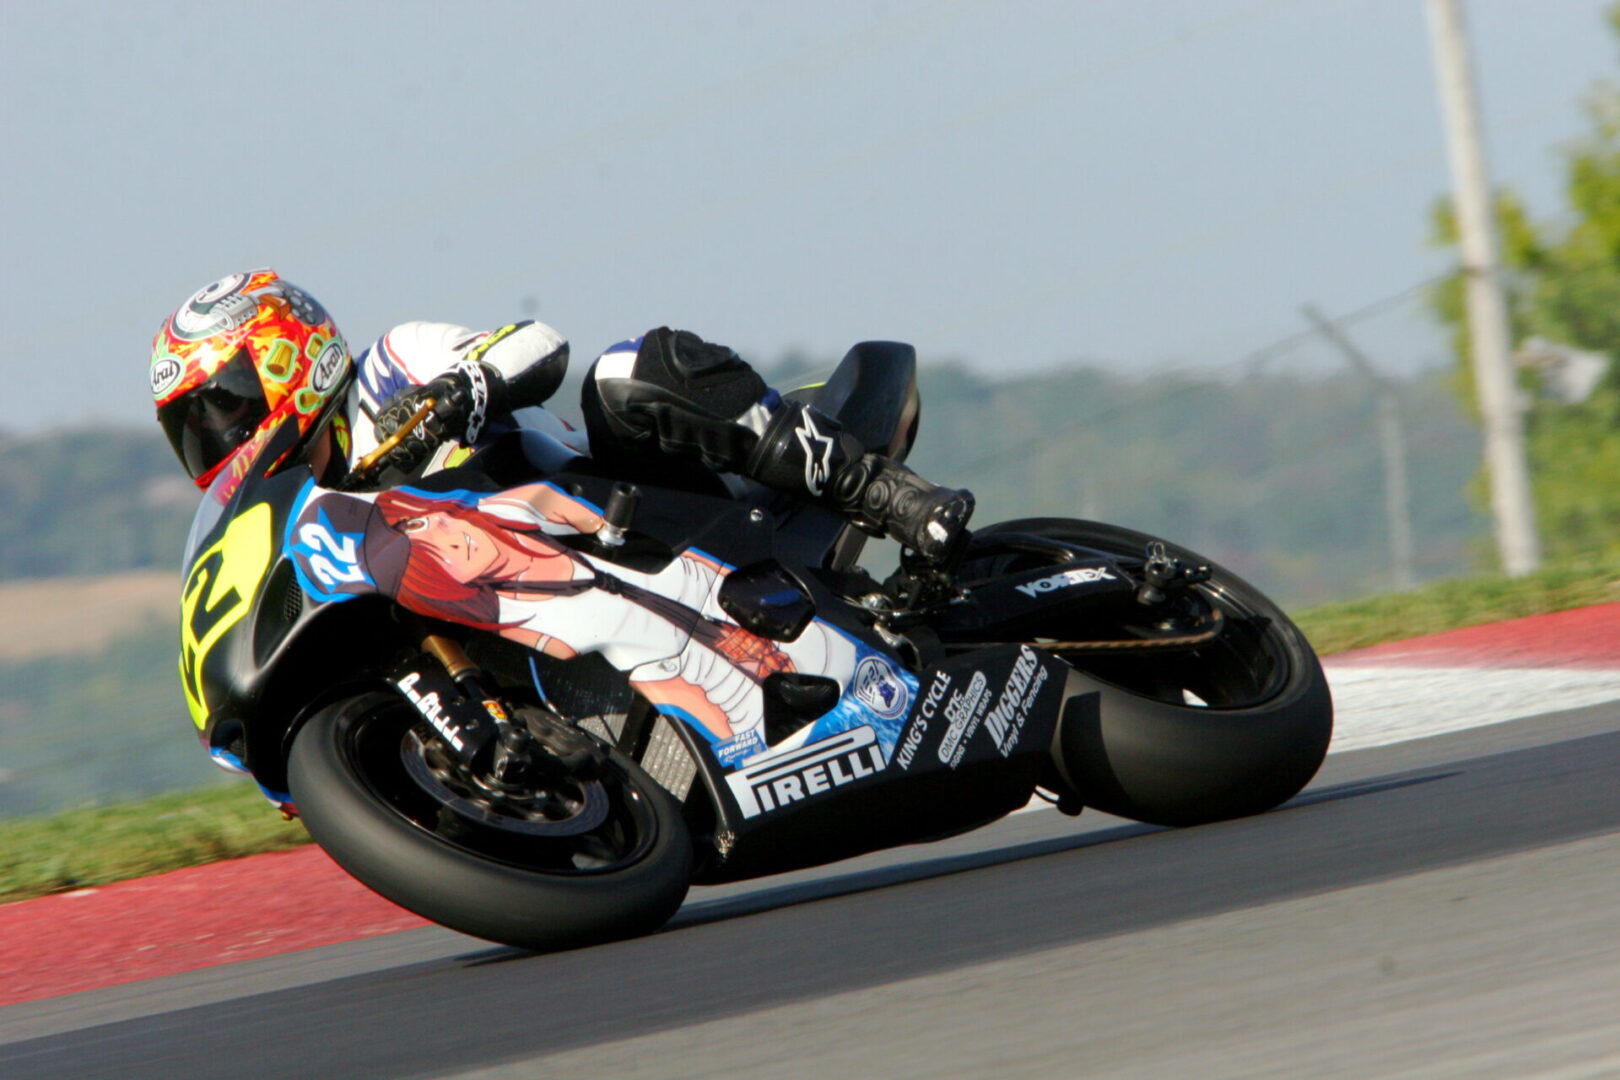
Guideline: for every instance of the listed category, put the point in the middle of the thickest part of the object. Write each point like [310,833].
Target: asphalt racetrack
[1442,907]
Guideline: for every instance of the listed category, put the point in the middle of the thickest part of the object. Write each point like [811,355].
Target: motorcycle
[535,701]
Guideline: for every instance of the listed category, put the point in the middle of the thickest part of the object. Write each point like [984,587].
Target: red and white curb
[1474,677]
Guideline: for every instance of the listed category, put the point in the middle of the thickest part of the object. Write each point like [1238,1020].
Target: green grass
[82,848]
[1447,605]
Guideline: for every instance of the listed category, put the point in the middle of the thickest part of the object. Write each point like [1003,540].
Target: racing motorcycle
[536,772]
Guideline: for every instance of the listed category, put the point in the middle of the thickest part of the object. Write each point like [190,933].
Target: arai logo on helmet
[215,308]
[329,367]
[166,371]
[879,687]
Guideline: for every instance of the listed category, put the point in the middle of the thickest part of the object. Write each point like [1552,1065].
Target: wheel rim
[573,828]
[566,809]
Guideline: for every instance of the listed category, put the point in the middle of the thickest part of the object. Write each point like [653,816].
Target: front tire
[1231,728]
[361,774]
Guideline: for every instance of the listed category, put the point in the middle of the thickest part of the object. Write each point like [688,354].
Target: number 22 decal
[333,560]
[329,562]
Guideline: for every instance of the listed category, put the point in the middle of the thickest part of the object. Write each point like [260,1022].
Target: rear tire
[620,868]
[1225,730]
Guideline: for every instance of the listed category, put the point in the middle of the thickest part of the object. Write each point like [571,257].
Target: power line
[1256,359]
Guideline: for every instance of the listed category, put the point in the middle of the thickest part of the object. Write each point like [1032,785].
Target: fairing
[286,599]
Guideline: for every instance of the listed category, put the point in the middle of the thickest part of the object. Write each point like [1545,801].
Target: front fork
[499,746]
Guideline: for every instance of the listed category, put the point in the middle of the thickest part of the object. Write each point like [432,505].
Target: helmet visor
[205,425]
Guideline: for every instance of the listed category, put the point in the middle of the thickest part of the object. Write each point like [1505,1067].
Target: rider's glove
[464,398]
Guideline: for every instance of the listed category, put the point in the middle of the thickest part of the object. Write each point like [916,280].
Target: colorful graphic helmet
[239,357]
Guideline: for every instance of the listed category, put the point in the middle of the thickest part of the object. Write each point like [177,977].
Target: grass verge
[81,848]
[1455,603]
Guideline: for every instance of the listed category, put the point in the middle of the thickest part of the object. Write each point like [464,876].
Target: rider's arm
[472,378]
[530,359]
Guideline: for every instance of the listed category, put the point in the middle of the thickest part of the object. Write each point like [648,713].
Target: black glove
[463,399]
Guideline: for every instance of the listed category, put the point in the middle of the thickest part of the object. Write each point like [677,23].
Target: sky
[1144,184]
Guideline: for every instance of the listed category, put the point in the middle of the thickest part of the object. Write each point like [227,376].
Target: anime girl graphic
[491,561]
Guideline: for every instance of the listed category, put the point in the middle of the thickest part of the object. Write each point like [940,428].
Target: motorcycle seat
[873,394]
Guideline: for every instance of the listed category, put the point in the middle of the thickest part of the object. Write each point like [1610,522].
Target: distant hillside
[1279,476]
[91,502]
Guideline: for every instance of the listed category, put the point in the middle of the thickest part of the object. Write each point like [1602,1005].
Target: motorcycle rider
[248,351]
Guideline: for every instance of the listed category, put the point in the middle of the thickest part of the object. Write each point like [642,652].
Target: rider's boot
[804,451]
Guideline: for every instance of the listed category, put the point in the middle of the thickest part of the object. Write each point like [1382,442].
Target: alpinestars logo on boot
[812,441]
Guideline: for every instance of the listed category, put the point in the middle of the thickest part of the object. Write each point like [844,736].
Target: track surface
[1440,907]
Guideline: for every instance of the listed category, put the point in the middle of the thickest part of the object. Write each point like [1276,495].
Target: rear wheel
[579,862]
[1232,726]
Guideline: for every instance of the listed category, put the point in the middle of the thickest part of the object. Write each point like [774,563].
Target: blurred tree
[1564,286]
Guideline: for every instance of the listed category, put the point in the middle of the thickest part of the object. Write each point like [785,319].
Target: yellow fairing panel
[218,592]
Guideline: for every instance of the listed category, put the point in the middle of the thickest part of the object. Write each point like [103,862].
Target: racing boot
[803,451]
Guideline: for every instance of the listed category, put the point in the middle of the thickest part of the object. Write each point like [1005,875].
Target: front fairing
[230,556]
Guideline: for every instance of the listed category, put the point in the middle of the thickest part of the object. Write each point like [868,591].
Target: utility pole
[1511,503]
[1392,440]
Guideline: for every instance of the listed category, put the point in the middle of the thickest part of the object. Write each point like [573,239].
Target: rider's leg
[803,450]
[675,394]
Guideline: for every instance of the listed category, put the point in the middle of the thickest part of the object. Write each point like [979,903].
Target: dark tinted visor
[205,425]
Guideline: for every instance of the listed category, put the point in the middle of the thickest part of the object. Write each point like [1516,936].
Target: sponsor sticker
[432,710]
[166,371]
[927,712]
[792,776]
[963,711]
[1067,579]
[879,687]
[1006,721]
[738,748]
[329,368]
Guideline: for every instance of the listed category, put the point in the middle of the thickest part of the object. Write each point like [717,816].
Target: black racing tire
[1134,743]
[361,806]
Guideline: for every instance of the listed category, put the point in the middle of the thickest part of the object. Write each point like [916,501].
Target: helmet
[238,358]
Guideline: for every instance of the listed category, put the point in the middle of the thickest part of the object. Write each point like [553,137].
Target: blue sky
[1140,183]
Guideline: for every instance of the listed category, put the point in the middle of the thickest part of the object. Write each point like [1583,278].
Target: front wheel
[1234,726]
[583,862]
